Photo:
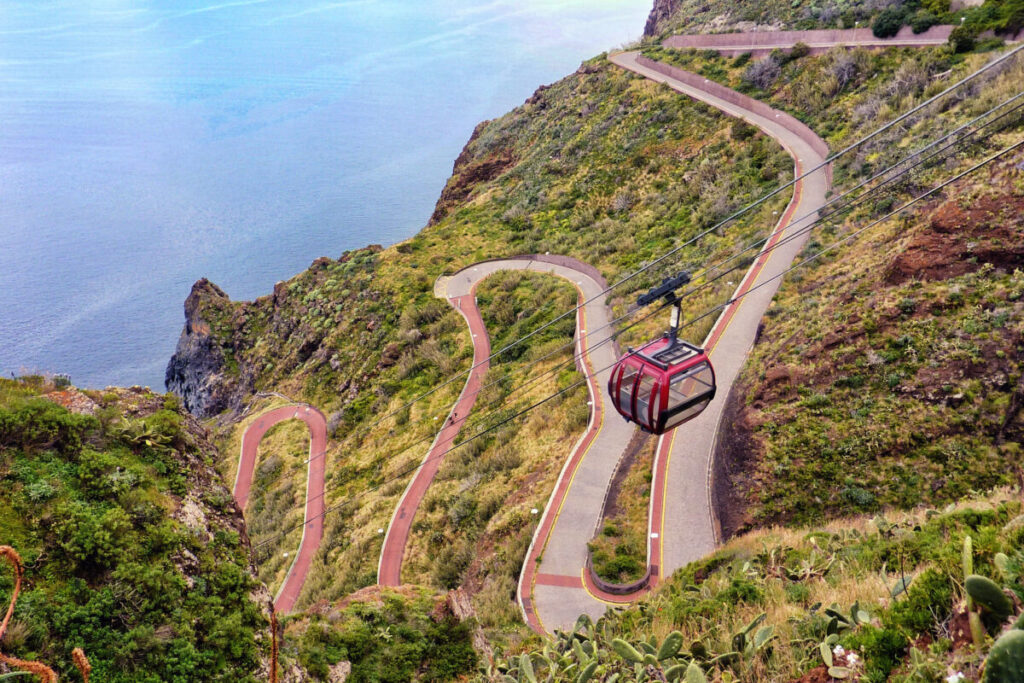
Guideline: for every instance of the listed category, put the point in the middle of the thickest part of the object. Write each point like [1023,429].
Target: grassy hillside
[1004,17]
[885,377]
[890,376]
[133,549]
[603,166]
[887,373]
[383,636]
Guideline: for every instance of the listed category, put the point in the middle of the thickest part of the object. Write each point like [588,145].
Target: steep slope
[889,376]
[975,20]
[610,170]
[133,548]
[602,166]
[877,599]
[881,377]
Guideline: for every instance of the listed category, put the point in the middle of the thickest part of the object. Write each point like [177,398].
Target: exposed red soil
[958,240]
[735,462]
[960,629]
[950,239]
[467,175]
[370,595]
[818,674]
[74,400]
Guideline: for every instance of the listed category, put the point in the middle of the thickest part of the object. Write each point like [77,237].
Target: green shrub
[93,524]
[963,38]
[743,590]
[799,50]
[922,20]
[1011,16]
[882,649]
[929,598]
[394,642]
[888,23]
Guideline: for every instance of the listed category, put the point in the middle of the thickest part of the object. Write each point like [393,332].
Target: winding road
[313,530]
[460,291]
[555,584]
[389,569]
[817,41]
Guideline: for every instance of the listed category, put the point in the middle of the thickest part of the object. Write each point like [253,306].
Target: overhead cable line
[478,419]
[992,64]
[689,323]
[790,235]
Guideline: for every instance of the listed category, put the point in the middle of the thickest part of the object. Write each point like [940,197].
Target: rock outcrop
[662,10]
[198,370]
[470,171]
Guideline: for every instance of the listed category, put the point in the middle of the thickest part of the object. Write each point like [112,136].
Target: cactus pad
[1005,663]
[986,593]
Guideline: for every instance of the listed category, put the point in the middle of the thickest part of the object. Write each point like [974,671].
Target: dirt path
[313,531]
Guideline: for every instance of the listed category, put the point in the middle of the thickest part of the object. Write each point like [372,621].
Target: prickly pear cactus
[986,592]
[1005,662]
[627,651]
[670,648]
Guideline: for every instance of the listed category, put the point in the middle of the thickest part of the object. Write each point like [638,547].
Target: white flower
[852,659]
[838,651]
[955,677]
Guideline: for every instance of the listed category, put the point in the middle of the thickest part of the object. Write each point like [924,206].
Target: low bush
[888,22]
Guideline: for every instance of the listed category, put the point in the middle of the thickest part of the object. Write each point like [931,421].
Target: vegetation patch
[277,499]
[133,549]
[879,391]
[603,166]
[476,522]
[1005,17]
[879,599]
[619,551]
[383,636]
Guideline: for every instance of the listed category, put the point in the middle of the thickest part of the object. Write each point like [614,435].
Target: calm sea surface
[145,144]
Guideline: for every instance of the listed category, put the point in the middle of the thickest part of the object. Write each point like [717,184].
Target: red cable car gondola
[667,381]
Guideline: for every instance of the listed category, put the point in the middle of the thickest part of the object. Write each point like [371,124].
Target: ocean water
[146,144]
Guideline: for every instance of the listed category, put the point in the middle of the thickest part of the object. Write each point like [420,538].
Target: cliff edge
[661,11]
[200,372]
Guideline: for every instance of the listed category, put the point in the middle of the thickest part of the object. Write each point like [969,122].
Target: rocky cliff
[199,371]
[662,10]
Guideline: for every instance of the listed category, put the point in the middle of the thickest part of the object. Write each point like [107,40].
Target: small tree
[922,21]
[799,50]
[1011,15]
[887,23]
[762,74]
[963,38]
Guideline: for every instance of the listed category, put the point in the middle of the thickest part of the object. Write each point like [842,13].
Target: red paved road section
[313,531]
[389,571]
[723,320]
[552,599]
